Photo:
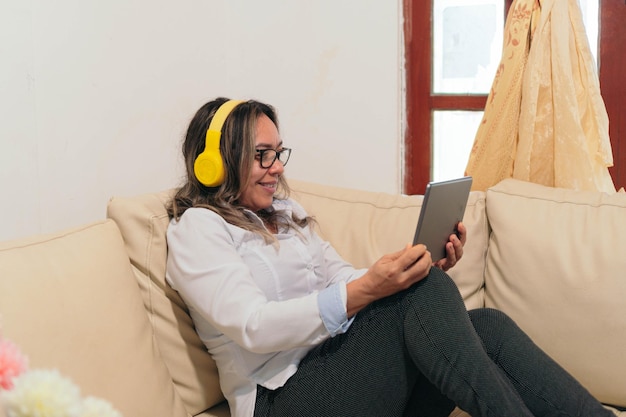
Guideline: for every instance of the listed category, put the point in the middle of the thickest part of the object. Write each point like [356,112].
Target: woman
[297,331]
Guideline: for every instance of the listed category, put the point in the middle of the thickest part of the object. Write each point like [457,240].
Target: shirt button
[309,267]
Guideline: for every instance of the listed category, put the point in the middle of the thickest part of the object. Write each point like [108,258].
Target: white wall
[95,95]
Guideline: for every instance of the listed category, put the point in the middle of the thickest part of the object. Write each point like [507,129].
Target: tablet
[442,209]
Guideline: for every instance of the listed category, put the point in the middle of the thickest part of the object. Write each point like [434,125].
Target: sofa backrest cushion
[70,302]
[363,226]
[556,264]
[143,221]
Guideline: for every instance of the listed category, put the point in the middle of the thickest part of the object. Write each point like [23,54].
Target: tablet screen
[442,208]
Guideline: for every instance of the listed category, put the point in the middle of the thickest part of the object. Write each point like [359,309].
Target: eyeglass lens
[269,156]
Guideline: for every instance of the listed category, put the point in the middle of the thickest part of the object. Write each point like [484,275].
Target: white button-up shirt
[258,308]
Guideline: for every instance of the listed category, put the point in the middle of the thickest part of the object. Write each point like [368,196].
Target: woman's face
[259,192]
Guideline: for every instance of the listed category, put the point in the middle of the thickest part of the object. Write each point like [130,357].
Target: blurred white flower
[42,393]
[96,407]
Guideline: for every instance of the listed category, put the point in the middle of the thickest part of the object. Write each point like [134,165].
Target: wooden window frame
[612,59]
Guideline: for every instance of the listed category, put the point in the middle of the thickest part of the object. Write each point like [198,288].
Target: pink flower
[12,363]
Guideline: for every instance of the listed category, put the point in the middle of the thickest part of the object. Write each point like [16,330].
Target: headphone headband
[217,122]
[209,166]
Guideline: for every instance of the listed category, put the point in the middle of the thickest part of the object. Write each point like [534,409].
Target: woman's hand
[390,274]
[454,248]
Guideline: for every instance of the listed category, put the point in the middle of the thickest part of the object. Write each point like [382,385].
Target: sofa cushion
[143,221]
[556,264]
[70,302]
[362,226]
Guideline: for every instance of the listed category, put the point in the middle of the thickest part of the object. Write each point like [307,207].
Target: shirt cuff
[332,304]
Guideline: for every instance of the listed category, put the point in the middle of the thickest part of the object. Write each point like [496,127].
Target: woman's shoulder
[196,219]
[197,214]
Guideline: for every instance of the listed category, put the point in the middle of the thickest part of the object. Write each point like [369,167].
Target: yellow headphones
[209,166]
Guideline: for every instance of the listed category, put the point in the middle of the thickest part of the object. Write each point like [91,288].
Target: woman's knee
[437,289]
[438,280]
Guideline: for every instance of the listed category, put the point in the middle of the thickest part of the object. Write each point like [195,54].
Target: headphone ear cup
[209,165]
[209,168]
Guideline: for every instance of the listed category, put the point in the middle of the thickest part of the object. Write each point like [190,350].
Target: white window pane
[467,44]
[589,9]
[453,133]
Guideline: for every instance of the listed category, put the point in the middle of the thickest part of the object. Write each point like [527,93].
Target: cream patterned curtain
[545,121]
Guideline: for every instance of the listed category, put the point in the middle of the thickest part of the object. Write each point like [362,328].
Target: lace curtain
[545,121]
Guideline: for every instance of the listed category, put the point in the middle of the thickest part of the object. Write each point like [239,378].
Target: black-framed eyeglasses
[267,157]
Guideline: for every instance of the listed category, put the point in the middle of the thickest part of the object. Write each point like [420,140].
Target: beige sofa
[92,301]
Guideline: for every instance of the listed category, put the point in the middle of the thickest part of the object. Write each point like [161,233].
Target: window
[447,86]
